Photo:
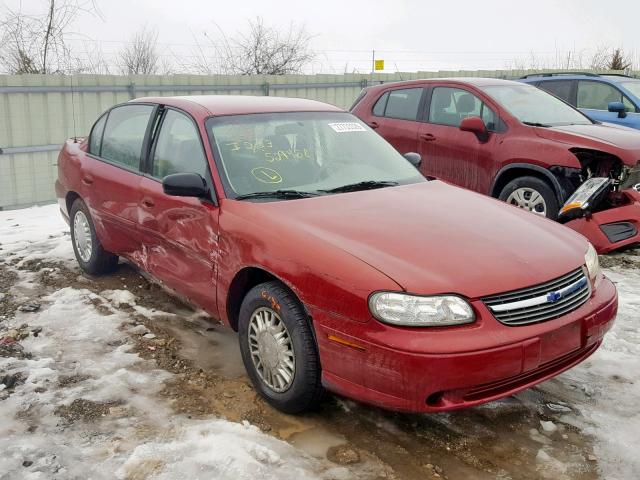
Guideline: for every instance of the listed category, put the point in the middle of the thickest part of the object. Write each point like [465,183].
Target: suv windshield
[308,152]
[533,106]
[633,86]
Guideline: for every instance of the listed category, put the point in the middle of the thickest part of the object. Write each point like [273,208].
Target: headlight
[415,311]
[592,262]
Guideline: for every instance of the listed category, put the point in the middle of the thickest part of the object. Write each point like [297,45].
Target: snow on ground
[85,405]
[604,391]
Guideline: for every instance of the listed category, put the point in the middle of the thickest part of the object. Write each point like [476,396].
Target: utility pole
[373,64]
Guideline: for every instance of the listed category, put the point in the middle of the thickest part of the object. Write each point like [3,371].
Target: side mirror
[475,125]
[618,107]
[185,185]
[414,158]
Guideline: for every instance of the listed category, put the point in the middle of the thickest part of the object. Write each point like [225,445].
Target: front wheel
[532,194]
[278,348]
[90,255]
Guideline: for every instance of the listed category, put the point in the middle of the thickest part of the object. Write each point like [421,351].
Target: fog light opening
[435,399]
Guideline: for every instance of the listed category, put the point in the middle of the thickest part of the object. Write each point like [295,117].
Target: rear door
[111,175]
[593,99]
[395,117]
[180,234]
[447,152]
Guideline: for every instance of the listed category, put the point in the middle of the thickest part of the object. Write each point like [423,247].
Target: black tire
[100,260]
[540,186]
[305,391]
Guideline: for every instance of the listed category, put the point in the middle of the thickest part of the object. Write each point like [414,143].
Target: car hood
[612,135]
[434,238]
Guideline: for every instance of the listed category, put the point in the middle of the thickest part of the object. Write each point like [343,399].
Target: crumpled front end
[614,226]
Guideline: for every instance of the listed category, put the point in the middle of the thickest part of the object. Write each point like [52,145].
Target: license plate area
[560,342]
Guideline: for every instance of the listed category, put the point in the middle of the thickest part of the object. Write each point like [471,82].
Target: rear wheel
[278,348]
[90,255]
[532,194]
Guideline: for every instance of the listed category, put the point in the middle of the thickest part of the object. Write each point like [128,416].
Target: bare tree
[38,42]
[140,55]
[262,50]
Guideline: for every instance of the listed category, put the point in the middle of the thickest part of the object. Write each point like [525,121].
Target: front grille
[542,302]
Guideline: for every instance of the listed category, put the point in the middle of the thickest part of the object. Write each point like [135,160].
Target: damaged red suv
[517,143]
[339,265]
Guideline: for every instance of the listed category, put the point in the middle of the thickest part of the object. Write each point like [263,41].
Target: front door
[594,98]
[447,152]
[180,234]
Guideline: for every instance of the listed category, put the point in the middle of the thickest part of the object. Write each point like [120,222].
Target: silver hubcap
[82,236]
[271,349]
[528,199]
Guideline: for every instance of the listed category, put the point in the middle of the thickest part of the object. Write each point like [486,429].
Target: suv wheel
[278,348]
[532,194]
[90,255]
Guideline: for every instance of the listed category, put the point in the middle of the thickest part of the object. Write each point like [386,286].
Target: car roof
[475,81]
[609,78]
[217,105]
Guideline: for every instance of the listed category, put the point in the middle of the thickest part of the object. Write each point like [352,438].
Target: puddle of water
[208,346]
[316,441]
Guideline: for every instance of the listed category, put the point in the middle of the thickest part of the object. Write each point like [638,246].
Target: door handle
[374,125]
[87,180]
[427,137]
[147,202]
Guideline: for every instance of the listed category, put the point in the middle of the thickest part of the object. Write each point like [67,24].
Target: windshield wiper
[284,194]
[366,185]
[537,124]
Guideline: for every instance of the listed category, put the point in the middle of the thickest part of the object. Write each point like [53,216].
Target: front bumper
[430,371]
[611,229]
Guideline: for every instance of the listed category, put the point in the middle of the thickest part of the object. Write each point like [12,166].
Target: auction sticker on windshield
[345,127]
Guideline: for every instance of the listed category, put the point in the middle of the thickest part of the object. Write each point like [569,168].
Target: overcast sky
[409,35]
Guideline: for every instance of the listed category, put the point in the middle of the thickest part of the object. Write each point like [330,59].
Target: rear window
[124,135]
[559,88]
[359,99]
[404,104]
[95,139]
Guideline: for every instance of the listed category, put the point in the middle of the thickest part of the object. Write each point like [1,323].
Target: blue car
[604,98]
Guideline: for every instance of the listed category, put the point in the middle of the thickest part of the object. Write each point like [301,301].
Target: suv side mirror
[618,107]
[475,125]
[414,158]
[185,185]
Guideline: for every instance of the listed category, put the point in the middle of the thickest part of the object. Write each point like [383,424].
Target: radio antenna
[73,111]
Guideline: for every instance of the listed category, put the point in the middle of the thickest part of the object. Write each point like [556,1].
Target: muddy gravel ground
[532,435]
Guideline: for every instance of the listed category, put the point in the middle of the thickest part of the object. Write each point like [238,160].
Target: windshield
[632,86]
[309,152]
[533,106]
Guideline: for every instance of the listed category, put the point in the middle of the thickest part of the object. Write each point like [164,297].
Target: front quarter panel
[322,276]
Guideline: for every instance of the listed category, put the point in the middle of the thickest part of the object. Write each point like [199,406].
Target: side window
[403,104]
[95,140]
[598,95]
[559,88]
[378,108]
[124,134]
[178,148]
[449,106]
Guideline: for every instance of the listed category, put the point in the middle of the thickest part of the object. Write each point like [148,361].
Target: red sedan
[337,262]
[517,143]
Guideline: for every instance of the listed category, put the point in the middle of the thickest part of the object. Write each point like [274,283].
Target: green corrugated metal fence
[37,113]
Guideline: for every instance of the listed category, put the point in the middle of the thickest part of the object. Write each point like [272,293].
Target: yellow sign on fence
[378,65]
